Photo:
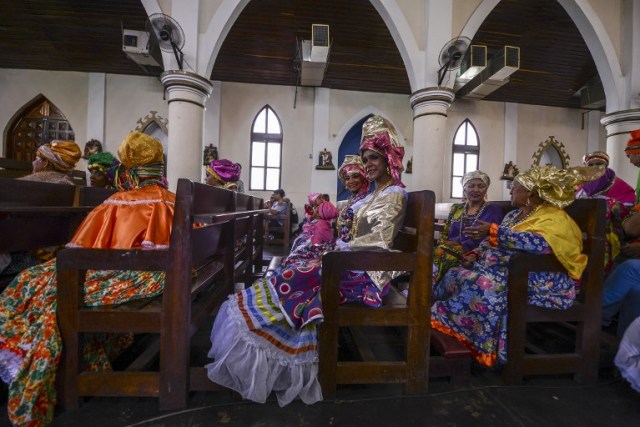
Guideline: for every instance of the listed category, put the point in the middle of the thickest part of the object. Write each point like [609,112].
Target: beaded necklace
[513,221]
[345,219]
[468,220]
[357,217]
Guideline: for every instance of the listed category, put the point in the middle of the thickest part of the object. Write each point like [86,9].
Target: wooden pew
[415,245]
[202,241]
[584,315]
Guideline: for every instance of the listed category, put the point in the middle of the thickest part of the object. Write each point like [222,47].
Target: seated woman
[30,343]
[620,197]
[54,162]
[456,239]
[264,338]
[224,174]
[102,167]
[354,178]
[317,230]
[471,300]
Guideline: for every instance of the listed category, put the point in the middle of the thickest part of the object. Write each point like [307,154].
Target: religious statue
[325,160]
[409,168]
[92,147]
[510,171]
[210,154]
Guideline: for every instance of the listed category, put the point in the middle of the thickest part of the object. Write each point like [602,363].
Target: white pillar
[510,142]
[430,106]
[187,93]
[618,126]
[96,108]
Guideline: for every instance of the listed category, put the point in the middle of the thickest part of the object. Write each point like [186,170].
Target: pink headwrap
[224,170]
[326,210]
[380,136]
[312,197]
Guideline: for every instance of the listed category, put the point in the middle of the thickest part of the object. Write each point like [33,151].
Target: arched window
[465,155]
[266,151]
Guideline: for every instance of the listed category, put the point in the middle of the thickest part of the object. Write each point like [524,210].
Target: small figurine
[92,147]
[325,160]
[510,171]
[409,165]
[210,154]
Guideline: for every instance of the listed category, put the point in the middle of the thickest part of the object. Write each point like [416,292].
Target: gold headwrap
[351,161]
[380,136]
[557,186]
[476,175]
[63,155]
[139,149]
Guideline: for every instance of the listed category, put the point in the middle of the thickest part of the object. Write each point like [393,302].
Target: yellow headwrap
[139,149]
[63,155]
[351,162]
[557,186]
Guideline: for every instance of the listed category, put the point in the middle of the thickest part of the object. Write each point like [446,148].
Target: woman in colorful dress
[30,343]
[264,338]
[54,162]
[471,300]
[620,198]
[224,174]
[319,215]
[354,178]
[456,239]
[102,167]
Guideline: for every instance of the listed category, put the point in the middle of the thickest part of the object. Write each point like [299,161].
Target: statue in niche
[325,160]
[510,171]
[210,154]
[92,147]
[409,168]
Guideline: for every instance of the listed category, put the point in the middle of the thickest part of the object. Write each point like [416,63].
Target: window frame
[266,138]
[465,150]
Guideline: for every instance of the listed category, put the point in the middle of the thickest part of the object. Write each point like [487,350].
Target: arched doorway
[39,122]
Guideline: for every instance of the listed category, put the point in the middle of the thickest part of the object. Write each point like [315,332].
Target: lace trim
[136,202]
[245,335]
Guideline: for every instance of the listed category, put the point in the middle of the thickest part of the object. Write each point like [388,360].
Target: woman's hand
[631,250]
[468,260]
[479,231]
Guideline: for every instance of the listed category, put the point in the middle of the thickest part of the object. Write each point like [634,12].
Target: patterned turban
[104,162]
[139,149]
[63,155]
[476,175]
[351,162]
[596,155]
[224,170]
[557,186]
[380,136]
[633,145]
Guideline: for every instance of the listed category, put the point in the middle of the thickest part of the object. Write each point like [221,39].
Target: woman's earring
[528,202]
[388,171]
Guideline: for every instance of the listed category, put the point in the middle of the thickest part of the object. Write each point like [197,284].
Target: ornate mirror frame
[551,144]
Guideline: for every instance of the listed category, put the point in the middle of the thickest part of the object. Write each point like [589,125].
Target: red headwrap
[633,145]
[381,144]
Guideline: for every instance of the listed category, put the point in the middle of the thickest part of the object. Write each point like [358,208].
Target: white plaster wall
[240,105]
[610,13]
[128,99]
[488,119]
[66,90]
[536,124]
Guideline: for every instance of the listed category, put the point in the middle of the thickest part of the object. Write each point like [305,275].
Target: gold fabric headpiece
[476,175]
[351,162]
[557,186]
[139,149]
[63,155]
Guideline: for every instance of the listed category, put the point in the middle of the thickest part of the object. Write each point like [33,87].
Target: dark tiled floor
[542,401]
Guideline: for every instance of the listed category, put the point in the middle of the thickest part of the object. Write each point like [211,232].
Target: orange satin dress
[148,226]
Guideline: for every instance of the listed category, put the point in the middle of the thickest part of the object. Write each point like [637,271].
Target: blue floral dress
[471,304]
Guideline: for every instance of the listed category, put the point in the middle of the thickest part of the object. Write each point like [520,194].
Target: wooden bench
[415,245]
[201,243]
[12,168]
[584,316]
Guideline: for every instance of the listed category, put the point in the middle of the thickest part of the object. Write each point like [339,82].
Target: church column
[618,126]
[430,106]
[187,94]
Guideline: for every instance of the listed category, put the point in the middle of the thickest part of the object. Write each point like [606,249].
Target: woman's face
[98,179]
[634,159]
[519,195]
[475,190]
[596,162]
[375,166]
[39,164]
[353,181]
[212,180]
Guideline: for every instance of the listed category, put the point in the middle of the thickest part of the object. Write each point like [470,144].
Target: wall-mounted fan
[168,33]
[451,56]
